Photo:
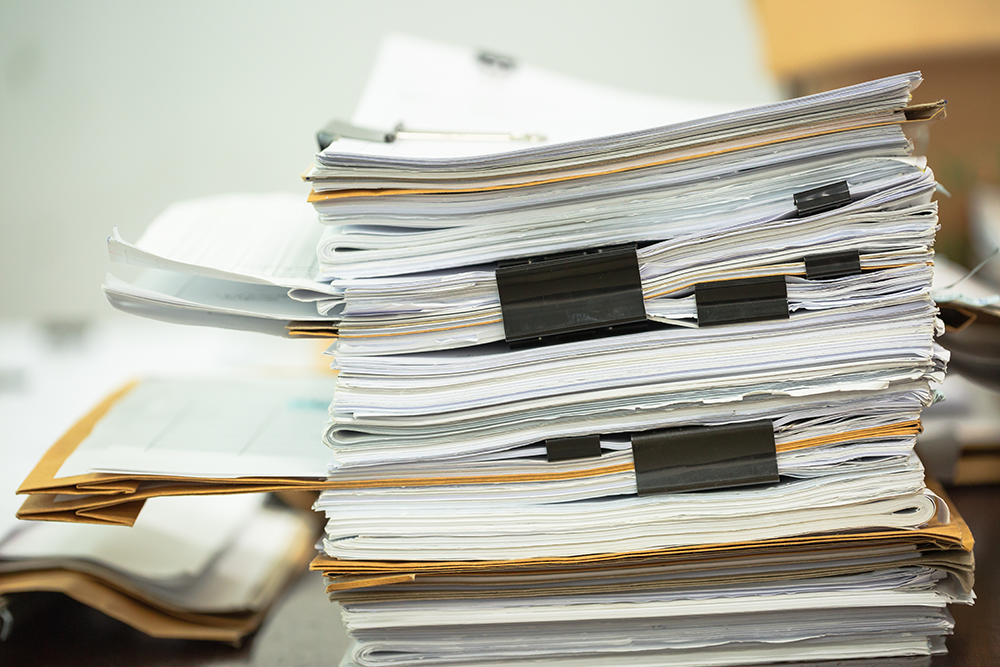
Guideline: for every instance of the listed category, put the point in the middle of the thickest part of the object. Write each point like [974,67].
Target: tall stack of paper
[612,393]
[596,395]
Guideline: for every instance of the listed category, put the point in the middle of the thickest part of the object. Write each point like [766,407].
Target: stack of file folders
[643,398]
[647,398]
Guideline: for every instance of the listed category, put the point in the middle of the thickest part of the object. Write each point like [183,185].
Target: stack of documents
[849,595]
[191,568]
[609,389]
[195,568]
[960,443]
[961,439]
[416,226]
[595,386]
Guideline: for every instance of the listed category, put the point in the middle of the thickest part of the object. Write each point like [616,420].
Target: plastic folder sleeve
[42,478]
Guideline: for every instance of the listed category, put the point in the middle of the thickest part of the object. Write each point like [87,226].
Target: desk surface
[304,630]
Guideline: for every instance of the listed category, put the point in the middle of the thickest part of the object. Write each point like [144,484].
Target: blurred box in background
[817,46]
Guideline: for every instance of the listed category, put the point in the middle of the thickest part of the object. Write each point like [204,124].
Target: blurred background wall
[110,110]
[814,46]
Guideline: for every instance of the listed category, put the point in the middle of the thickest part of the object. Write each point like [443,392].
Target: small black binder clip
[822,199]
[833,265]
[576,447]
[742,300]
[704,457]
[565,297]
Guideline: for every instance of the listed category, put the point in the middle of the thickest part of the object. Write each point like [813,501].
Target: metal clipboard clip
[336,129]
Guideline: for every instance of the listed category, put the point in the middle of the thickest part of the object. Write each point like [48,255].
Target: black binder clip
[704,457]
[822,199]
[833,265]
[742,300]
[568,297]
[576,447]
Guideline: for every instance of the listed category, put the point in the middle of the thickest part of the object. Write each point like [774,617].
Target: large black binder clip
[833,265]
[566,297]
[741,300]
[704,457]
[822,199]
[574,447]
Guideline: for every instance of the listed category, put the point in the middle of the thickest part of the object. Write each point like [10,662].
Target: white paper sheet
[258,238]
[264,427]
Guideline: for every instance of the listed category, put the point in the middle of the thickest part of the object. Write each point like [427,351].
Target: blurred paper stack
[205,568]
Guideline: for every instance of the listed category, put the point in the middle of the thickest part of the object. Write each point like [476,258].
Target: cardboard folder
[106,498]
